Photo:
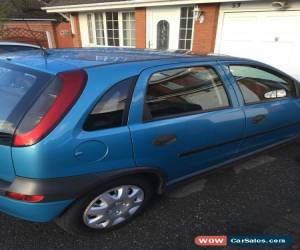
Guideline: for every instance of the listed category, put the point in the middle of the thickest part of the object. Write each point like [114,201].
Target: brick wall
[205,33]
[140,27]
[35,26]
[63,35]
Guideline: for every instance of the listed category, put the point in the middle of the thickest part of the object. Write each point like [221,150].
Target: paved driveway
[259,197]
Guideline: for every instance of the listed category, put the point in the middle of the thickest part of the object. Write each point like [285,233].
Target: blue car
[88,136]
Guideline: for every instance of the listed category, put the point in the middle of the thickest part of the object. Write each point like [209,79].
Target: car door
[184,118]
[270,102]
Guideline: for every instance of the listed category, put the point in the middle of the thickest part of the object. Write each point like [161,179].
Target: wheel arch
[156,176]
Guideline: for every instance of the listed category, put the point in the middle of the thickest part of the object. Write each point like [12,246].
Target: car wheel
[107,207]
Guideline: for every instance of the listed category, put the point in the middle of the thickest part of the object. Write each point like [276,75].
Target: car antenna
[43,50]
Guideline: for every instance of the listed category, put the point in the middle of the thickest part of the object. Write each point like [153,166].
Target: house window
[186,28]
[111,28]
[128,29]
[99,29]
[90,28]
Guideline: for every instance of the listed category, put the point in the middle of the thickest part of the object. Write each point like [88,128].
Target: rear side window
[112,109]
[182,91]
[19,87]
[259,85]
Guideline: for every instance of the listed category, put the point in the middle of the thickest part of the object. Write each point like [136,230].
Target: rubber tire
[71,220]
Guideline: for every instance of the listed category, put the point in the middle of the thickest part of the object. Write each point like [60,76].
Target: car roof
[59,60]
[17,44]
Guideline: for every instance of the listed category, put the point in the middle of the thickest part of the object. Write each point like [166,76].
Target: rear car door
[184,118]
[270,102]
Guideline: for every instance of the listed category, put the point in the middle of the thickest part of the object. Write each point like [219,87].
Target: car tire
[75,219]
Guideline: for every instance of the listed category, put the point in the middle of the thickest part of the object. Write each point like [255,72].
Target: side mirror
[278,93]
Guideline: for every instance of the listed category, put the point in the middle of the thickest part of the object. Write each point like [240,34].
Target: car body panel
[282,116]
[193,149]
[277,126]
[55,156]
[7,172]
[37,212]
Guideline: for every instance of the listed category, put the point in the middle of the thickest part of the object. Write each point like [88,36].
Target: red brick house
[25,21]
[267,30]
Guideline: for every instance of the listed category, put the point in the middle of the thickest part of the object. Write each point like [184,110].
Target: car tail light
[24,197]
[55,101]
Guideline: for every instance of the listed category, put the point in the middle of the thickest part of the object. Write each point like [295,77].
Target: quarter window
[110,111]
[259,85]
[182,91]
[186,28]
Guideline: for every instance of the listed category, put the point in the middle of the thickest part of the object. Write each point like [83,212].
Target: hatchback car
[88,136]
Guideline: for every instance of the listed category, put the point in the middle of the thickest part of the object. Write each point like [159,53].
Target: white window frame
[186,29]
[120,29]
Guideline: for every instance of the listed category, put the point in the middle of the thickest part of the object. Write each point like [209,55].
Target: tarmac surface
[258,197]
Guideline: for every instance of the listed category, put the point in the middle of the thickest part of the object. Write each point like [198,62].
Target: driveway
[259,197]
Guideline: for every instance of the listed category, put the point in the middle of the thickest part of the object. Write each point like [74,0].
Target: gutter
[33,19]
[129,4]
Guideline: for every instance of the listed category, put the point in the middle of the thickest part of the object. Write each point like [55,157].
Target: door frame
[225,67]
[151,30]
[136,111]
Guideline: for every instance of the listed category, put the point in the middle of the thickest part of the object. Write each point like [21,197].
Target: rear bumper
[37,212]
[58,193]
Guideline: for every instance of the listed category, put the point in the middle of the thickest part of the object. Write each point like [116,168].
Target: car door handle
[258,119]
[165,139]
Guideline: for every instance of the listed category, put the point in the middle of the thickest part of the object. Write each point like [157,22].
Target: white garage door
[270,37]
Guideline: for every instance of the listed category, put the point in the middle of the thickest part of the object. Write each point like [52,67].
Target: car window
[15,48]
[182,91]
[258,84]
[18,87]
[110,111]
